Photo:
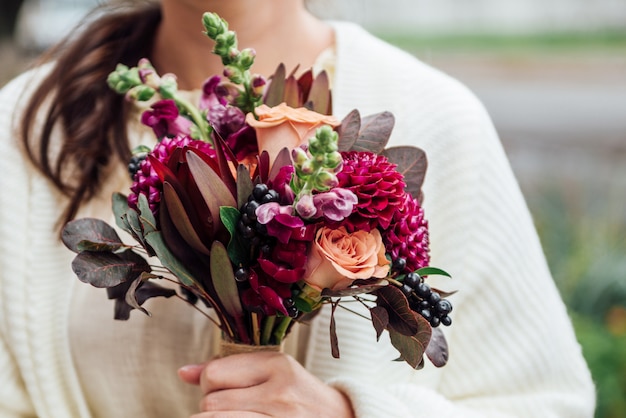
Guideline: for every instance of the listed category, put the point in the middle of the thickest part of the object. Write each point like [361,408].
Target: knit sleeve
[14,399]
[513,352]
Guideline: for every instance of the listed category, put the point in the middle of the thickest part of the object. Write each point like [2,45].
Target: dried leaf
[380,320]
[437,349]
[181,220]
[411,162]
[375,132]
[334,341]
[90,230]
[349,130]
[401,318]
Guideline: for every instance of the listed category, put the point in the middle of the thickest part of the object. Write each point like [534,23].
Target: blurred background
[552,74]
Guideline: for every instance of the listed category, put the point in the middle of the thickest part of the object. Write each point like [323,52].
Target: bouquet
[260,205]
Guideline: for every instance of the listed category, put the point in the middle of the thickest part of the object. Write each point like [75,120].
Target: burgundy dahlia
[408,235]
[147,182]
[378,187]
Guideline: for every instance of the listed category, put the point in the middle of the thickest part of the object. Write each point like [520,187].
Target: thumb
[191,373]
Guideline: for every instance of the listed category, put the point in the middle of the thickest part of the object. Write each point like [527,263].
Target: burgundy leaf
[356,290]
[437,349]
[412,348]
[292,93]
[276,89]
[101,269]
[319,96]
[181,220]
[90,230]
[380,320]
[244,185]
[349,130]
[401,318]
[223,164]
[375,132]
[411,162]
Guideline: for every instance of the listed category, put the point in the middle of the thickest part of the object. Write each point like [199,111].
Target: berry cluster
[426,301]
[248,226]
[134,164]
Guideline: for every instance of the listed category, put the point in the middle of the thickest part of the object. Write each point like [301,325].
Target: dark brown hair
[92,118]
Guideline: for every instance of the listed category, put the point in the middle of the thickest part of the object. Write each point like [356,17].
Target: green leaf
[432,271]
[90,230]
[349,130]
[155,239]
[375,132]
[401,317]
[412,348]
[102,269]
[146,217]
[223,280]
[238,250]
[380,320]
[412,164]
[181,220]
[133,220]
[437,349]
[212,188]
[120,207]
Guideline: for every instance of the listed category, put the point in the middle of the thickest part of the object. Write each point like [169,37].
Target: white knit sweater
[512,349]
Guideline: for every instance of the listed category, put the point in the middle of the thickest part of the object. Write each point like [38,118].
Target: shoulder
[375,76]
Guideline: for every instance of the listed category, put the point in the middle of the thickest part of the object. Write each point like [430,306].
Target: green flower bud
[332,160]
[234,74]
[214,25]
[246,58]
[140,93]
[168,86]
[305,169]
[299,156]
[123,79]
[325,181]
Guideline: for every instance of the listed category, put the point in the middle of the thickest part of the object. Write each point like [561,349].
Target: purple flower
[305,206]
[336,204]
[165,120]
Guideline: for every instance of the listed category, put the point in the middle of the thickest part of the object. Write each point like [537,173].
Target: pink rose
[338,257]
[283,126]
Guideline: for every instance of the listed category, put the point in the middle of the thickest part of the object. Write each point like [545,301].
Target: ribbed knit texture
[512,349]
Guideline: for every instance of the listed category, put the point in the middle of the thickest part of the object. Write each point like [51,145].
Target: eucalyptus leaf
[380,320]
[169,261]
[412,348]
[412,164]
[356,290]
[349,130]
[437,349]
[146,217]
[120,207]
[135,224]
[101,269]
[401,318]
[375,132]
[91,230]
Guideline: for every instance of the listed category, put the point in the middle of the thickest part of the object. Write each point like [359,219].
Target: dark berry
[426,314]
[406,289]
[293,311]
[251,208]
[259,191]
[398,264]
[434,322]
[423,290]
[242,274]
[248,232]
[446,320]
[424,304]
[443,307]
[289,302]
[275,196]
[434,298]
[261,228]
[412,279]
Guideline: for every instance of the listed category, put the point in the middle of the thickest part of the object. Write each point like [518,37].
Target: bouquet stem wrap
[228,348]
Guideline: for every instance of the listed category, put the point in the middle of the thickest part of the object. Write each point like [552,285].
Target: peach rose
[337,258]
[283,126]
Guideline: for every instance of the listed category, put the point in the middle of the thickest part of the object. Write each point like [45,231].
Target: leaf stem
[268,326]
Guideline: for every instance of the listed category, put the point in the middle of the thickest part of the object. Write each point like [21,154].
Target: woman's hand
[263,384]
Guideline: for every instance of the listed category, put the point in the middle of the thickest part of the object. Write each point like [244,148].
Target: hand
[263,385]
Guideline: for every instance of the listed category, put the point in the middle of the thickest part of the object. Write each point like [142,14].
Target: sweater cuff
[369,401]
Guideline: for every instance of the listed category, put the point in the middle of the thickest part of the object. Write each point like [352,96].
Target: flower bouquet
[261,206]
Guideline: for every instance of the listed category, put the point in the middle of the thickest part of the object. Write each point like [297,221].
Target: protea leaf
[181,220]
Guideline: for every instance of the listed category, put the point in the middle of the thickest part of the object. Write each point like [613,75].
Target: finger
[191,373]
[239,371]
[229,414]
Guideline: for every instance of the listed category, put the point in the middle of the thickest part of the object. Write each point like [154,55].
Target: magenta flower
[165,120]
[336,204]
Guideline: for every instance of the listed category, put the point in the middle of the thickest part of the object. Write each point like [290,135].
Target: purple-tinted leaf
[319,95]
[141,290]
[305,81]
[380,320]
[401,318]
[144,291]
[276,89]
[244,185]
[356,290]
[181,220]
[437,349]
[349,130]
[292,93]
[282,159]
[102,269]
[223,164]
[263,166]
[211,186]
[412,163]
[412,347]
[334,341]
[375,132]
[90,230]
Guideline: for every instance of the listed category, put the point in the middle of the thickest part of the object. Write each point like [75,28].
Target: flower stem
[268,326]
[281,330]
